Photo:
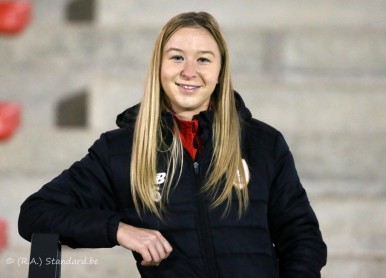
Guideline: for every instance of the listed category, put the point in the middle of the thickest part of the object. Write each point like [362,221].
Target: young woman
[190,182]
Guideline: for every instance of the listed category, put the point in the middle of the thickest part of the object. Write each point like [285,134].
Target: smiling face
[190,68]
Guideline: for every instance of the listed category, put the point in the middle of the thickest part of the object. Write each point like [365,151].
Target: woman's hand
[152,246]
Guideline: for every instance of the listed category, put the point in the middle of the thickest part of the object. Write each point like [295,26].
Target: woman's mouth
[188,87]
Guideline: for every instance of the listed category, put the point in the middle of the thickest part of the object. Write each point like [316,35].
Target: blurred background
[315,70]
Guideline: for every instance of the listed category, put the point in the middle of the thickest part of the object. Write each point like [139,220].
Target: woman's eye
[203,60]
[177,58]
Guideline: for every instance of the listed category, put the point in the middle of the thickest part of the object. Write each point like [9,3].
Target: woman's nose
[189,70]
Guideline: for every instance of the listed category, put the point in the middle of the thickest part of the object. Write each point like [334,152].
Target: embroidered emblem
[241,181]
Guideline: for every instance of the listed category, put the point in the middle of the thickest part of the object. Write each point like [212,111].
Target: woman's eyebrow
[201,51]
[207,52]
[173,49]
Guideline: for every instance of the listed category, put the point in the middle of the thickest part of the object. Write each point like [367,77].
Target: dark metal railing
[45,256]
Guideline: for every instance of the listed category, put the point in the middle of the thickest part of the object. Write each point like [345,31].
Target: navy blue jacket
[278,236]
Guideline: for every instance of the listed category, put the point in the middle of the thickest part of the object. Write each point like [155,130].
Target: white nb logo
[161,177]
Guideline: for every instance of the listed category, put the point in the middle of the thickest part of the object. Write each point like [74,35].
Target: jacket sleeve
[79,204]
[294,226]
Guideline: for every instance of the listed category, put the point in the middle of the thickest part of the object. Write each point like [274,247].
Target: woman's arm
[294,226]
[80,204]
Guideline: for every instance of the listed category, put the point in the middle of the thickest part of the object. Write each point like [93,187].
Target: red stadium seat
[14,16]
[10,117]
[3,234]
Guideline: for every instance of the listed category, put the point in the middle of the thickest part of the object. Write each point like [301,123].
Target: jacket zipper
[204,228]
[195,167]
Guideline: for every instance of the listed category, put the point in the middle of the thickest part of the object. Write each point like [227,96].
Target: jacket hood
[128,117]
[243,111]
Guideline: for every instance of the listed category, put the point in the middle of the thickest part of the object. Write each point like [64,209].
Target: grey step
[350,214]
[44,150]
[336,54]
[355,265]
[316,107]
[16,187]
[333,53]
[340,155]
[108,96]
[273,14]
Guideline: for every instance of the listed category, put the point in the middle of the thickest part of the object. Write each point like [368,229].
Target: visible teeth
[187,87]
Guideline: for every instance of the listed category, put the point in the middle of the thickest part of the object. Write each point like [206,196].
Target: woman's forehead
[192,38]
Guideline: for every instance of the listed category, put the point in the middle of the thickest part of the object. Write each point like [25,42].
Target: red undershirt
[188,134]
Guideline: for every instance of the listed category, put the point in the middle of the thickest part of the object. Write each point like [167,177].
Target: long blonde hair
[226,163]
